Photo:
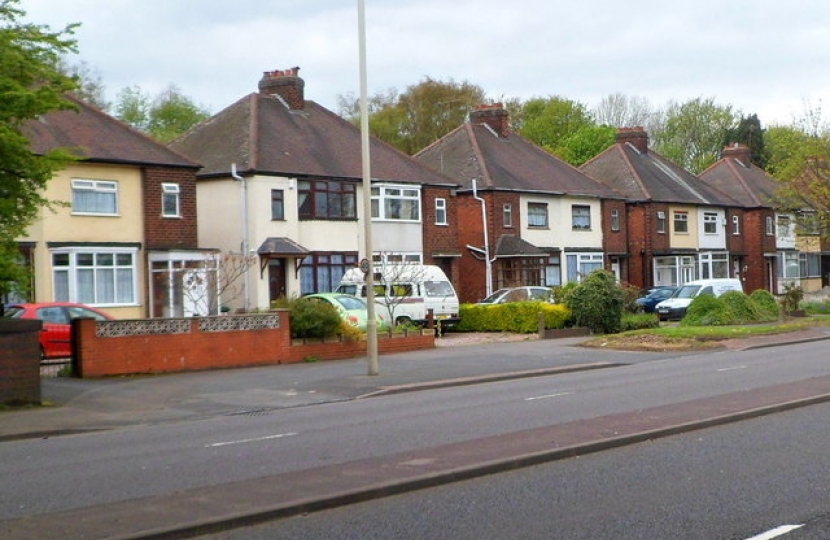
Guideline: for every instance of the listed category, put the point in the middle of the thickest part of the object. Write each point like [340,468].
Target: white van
[675,306]
[404,293]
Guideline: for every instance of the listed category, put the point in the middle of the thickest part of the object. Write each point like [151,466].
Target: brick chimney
[286,84]
[738,151]
[494,116]
[637,136]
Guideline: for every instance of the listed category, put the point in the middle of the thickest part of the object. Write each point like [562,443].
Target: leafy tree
[586,143]
[749,132]
[549,122]
[424,113]
[800,160]
[693,133]
[164,117]
[31,85]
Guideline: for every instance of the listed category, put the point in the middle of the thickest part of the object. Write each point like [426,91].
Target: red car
[55,337]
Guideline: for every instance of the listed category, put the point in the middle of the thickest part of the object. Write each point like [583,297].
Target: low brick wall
[113,348]
[20,361]
[335,349]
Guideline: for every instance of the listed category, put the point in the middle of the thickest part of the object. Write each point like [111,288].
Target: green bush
[816,308]
[597,303]
[311,319]
[766,304]
[639,321]
[706,310]
[521,317]
[742,307]
[561,292]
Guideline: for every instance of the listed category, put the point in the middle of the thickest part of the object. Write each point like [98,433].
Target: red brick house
[547,223]
[677,224]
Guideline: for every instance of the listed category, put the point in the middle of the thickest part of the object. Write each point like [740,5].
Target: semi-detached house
[125,240]
[677,224]
[547,223]
[282,181]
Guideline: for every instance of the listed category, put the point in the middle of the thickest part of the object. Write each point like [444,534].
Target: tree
[90,85]
[164,117]
[693,133]
[548,122]
[619,110]
[421,115]
[586,143]
[220,278]
[31,85]
[749,132]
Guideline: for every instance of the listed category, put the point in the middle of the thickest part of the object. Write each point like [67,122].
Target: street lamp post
[372,328]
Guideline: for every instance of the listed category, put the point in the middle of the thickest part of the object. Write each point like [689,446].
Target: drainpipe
[488,264]
[245,247]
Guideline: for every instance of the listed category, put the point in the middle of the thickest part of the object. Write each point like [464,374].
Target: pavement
[80,406]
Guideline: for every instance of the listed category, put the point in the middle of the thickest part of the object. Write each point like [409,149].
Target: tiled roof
[648,176]
[261,135]
[282,246]
[744,182]
[95,136]
[475,151]
[512,246]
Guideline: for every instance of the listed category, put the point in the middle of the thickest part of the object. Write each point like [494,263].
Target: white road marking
[534,398]
[257,439]
[776,532]
[732,368]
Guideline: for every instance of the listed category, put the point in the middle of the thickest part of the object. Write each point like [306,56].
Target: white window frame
[171,192]
[615,220]
[577,263]
[770,226]
[89,267]
[388,200]
[578,217]
[680,217]
[441,211]
[661,222]
[100,189]
[507,215]
[736,225]
[710,223]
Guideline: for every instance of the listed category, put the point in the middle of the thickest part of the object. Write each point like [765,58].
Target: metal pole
[372,328]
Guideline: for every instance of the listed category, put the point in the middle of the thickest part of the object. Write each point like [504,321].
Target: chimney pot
[637,136]
[738,151]
[494,116]
[285,83]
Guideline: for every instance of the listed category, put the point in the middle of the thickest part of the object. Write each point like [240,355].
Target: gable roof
[264,136]
[647,176]
[95,136]
[741,180]
[506,162]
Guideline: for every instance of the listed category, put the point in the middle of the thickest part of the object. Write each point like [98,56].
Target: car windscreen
[351,303]
[438,289]
[687,291]
[13,312]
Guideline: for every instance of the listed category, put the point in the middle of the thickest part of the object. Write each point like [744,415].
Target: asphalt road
[731,482]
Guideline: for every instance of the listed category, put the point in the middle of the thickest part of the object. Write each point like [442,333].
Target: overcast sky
[768,57]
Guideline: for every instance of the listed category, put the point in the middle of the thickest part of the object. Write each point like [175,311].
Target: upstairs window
[507,215]
[277,205]
[710,223]
[736,225]
[581,217]
[681,222]
[770,228]
[784,227]
[170,205]
[661,222]
[95,197]
[321,199]
[615,220]
[440,211]
[396,203]
[537,215]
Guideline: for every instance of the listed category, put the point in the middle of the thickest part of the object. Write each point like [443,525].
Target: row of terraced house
[276,180]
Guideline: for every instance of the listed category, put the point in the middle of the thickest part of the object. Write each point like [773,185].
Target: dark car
[55,339]
[654,296]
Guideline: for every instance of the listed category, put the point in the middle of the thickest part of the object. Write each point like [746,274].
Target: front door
[276,279]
